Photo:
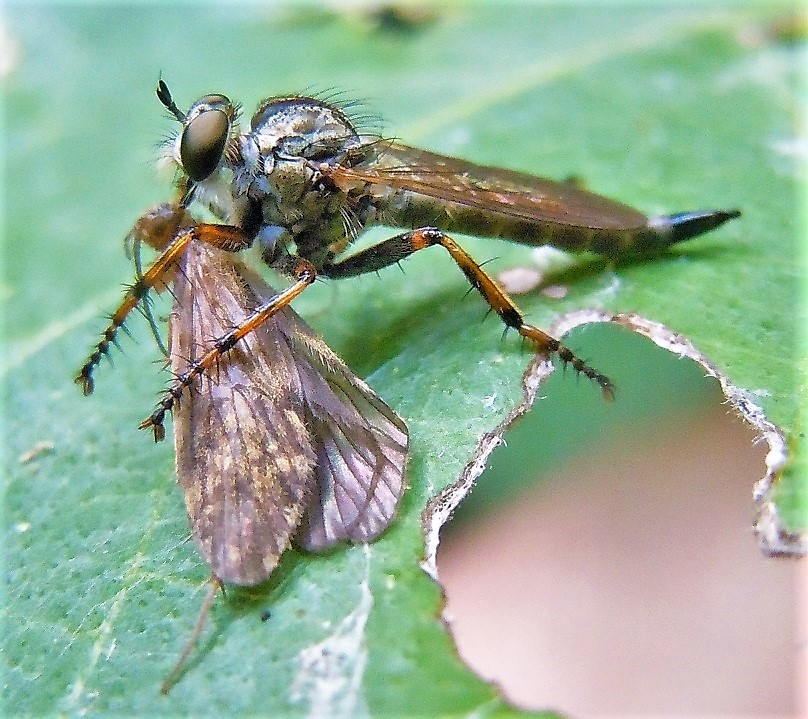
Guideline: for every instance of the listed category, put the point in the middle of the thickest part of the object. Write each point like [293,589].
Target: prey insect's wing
[360,443]
[244,457]
[361,447]
[282,440]
[492,189]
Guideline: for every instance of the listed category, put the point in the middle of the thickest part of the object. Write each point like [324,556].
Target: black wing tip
[684,225]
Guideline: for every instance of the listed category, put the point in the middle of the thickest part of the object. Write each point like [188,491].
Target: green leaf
[665,109]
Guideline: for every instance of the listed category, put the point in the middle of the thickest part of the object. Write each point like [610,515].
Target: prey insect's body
[281,441]
[276,439]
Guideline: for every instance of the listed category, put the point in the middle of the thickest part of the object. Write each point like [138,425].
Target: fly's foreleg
[155,275]
[160,228]
[401,246]
[305,274]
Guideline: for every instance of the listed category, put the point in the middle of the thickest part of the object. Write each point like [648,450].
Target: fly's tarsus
[108,338]
[568,357]
[155,421]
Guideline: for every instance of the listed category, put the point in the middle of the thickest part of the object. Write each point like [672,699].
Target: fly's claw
[85,379]
[169,402]
[155,422]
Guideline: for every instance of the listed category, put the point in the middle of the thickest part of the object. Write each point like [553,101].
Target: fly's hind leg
[304,273]
[397,248]
[169,229]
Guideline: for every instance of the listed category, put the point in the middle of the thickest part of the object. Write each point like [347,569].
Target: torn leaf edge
[774,538]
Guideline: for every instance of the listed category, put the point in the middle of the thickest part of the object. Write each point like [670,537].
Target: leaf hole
[606,563]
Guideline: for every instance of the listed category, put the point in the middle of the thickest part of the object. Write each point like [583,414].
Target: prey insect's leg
[145,307]
[305,274]
[176,671]
[396,248]
[160,232]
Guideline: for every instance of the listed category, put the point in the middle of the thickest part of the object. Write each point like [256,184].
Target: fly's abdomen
[408,209]
[632,234]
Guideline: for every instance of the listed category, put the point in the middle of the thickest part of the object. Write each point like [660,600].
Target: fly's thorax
[303,127]
[279,169]
[296,207]
[289,137]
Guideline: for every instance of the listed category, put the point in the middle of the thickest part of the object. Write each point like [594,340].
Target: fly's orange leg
[397,248]
[305,274]
[159,227]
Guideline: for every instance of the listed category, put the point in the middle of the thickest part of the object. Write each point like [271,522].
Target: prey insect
[281,442]
[276,439]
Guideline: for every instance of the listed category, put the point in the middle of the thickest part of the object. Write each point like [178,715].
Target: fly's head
[269,179]
[205,145]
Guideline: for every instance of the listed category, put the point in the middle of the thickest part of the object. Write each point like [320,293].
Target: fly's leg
[160,228]
[397,248]
[304,273]
[136,292]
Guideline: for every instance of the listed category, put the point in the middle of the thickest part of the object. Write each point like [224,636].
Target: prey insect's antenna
[145,306]
[176,671]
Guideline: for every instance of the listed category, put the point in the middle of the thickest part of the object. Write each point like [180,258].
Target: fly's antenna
[164,96]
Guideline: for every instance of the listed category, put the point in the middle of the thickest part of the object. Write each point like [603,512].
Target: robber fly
[302,183]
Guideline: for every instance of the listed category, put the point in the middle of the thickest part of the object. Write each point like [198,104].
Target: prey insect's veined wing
[243,455]
[492,189]
[356,436]
[280,442]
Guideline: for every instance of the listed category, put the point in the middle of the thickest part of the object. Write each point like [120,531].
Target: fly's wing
[495,190]
[360,443]
[244,454]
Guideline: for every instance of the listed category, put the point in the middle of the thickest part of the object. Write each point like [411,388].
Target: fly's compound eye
[205,135]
